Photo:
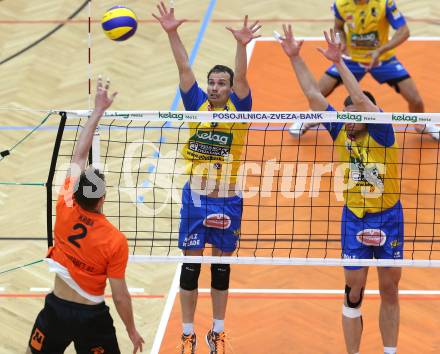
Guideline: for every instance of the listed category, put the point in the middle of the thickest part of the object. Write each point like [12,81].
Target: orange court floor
[265,314]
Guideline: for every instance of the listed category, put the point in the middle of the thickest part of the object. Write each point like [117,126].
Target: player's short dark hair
[223,69]
[89,188]
[349,102]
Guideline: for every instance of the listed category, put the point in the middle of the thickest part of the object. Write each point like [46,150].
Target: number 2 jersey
[87,244]
[214,149]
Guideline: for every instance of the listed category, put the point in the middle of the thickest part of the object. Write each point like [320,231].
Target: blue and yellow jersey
[369,167]
[367,26]
[214,149]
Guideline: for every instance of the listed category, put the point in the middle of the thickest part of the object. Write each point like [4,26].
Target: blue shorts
[378,235]
[209,220]
[390,71]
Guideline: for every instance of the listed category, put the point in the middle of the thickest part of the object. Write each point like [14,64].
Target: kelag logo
[210,137]
[170,115]
[404,118]
[348,115]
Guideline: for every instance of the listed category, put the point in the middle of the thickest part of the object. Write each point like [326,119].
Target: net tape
[123,120]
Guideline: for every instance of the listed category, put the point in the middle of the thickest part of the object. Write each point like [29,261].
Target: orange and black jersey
[87,244]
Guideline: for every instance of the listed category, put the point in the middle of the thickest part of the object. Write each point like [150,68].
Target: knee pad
[220,276]
[189,276]
[356,304]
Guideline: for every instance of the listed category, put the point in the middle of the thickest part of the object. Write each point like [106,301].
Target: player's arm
[400,36]
[102,102]
[121,298]
[243,36]
[334,53]
[339,26]
[305,78]
[170,24]
[398,22]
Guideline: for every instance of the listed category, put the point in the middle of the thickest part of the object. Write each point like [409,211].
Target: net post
[51,174]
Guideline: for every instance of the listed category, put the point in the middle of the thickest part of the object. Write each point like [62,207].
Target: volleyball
[119,23]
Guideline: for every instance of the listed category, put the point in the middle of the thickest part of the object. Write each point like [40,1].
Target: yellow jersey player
[364,27]
[372,218]
[211,207]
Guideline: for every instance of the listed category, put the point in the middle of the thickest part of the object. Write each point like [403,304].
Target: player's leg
[189,284]
[192,243]
[51,332]
[392,226]
[220,275]
[223,224]
[355,280]
[96,334]
[188,295]
[394,74]
[389,316]
[408,90]
[353,247]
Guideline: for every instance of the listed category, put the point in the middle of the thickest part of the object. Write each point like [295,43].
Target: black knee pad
[220,276]
[353,305]
[189,276]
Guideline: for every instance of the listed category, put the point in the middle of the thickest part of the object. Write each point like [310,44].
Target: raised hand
[102,99]
[167,20]
[334,47]
[247,33]
[290,45]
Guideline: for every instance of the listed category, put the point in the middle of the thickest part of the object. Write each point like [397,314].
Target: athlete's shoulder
[343,3]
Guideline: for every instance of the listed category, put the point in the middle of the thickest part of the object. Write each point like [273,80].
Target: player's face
[219,88]
[354,129]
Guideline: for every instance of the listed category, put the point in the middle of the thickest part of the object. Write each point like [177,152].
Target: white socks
[218,326]
[389,350]
[188,328]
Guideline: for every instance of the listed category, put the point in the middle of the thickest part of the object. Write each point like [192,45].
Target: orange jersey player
[88,250]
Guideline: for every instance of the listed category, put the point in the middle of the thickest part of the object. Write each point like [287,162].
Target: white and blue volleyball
[119,23]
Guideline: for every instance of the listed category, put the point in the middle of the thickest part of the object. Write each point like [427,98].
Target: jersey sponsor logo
[192,240]
[97,350]
[371,237]
[37,339]
[212,150]
[403,118]
[348,115]
[212,143]
[365,40]
[217,221]
[219,138]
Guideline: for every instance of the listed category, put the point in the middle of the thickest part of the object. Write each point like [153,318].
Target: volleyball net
[292,189]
